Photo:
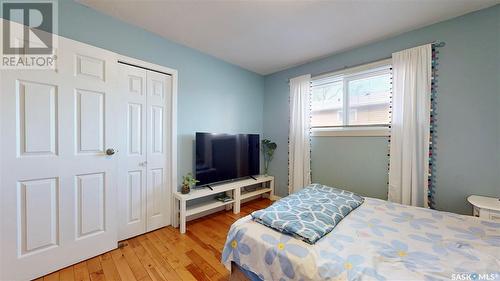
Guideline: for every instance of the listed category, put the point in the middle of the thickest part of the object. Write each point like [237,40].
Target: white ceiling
[268,36]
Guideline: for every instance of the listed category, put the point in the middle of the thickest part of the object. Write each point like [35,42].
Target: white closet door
[144,197]
[57,185]
[132,175]
[159,88]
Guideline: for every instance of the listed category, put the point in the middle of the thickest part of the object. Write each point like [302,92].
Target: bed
[377,241]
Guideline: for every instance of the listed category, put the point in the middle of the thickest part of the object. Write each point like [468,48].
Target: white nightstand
[485,207]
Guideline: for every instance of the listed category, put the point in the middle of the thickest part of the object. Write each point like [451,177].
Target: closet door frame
[170,126]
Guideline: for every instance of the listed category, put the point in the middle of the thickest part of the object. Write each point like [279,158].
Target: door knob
[110,151]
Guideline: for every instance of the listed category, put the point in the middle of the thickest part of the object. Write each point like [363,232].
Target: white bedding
[377,241]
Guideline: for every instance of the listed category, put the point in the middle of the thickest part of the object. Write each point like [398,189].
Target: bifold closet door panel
[159,88]
[132,185]
[58,187]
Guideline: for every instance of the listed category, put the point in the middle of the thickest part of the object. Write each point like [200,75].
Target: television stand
[183,210]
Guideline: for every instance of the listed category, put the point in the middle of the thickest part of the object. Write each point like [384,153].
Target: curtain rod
[437,44]
[348,67]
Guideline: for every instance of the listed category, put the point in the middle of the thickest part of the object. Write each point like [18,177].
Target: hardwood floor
[165,254]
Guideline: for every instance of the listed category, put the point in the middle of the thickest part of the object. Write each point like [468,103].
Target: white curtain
[411,103]
[299,157]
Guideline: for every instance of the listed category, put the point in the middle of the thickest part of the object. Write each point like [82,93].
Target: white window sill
[351,132]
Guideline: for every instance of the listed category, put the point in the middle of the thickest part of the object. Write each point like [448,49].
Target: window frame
[349,74]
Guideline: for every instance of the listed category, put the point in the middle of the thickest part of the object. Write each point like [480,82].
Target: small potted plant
[187,182]
[268,148]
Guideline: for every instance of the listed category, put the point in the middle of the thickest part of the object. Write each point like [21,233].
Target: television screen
[222,157]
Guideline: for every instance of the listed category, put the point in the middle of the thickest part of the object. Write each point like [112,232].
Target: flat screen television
[224,157]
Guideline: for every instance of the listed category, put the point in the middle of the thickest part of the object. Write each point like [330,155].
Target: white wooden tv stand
[233,189]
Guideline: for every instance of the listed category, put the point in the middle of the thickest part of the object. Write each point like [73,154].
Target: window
[327,103]
[355,97]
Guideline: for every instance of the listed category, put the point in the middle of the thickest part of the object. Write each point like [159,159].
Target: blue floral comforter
[310,213]
[377,241]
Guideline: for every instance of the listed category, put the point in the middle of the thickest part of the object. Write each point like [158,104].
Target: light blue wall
[351,163]
[468,106]
[220,97]
[213,95]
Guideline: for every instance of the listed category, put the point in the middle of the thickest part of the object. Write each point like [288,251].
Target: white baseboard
[275,197]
